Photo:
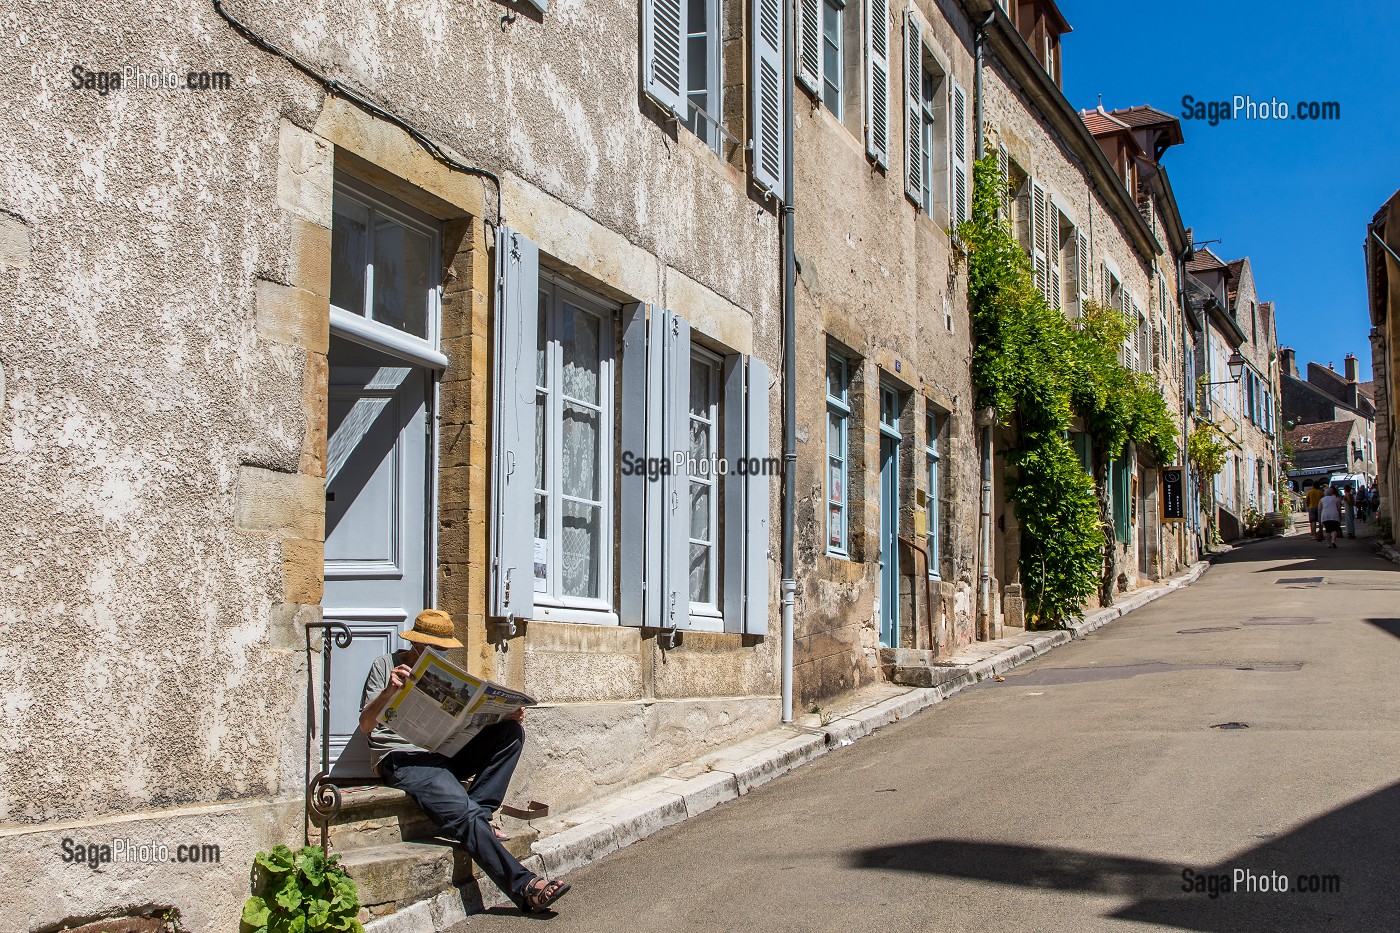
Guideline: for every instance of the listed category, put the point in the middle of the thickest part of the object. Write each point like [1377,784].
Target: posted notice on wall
[441,707]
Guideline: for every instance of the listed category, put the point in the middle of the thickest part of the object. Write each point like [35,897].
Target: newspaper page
[442,707]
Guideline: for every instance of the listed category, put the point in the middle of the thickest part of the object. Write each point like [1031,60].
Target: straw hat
[433,627]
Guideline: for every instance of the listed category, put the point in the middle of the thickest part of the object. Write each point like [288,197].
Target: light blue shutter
[877,81]
[735,444]
[633,517]
[768,95]
[757,502]
[654,503]
[957,116]
[747,496]
[809,44]
[513,426]
[663,53]
[913,109]
[675,534]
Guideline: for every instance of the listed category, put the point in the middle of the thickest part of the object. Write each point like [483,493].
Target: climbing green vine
[1040,371]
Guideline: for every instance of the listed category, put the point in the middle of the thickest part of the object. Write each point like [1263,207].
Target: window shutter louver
[1038,225]
[809,44]
[663,53]
[1004,166]
[958,110]
[767,162]
[1107,286]
[758,491]
[913,108]
[513,465]
[1054,295]
[877,81]
[1084,285]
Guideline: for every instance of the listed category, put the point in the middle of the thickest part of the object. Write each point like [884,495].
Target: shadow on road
[1307,555]
[1355,843]
[1389,626]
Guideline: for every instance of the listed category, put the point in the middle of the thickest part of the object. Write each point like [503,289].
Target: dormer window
[1041,24]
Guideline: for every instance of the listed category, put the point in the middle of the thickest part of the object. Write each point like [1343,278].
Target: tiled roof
[1328,380]
[1367,390]
[1100,122]
[1266,315]
[1320,435]
[1143,115]
[1232,278]
[1204,261]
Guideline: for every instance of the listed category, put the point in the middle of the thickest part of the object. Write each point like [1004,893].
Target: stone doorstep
[584,835]
[395,875]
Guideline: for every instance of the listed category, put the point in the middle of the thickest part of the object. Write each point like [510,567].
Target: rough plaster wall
[874,276]
[554,100]
[142,665]
[1040,152]
[42,891]
[1258,351]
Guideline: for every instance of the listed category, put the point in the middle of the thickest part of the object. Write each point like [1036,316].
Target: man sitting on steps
[435,781]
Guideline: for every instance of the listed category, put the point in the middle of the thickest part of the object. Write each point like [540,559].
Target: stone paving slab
[584,835]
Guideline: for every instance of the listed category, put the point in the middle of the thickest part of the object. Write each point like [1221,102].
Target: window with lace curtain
[574,438]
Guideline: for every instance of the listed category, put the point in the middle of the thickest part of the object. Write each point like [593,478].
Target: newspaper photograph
[441,707]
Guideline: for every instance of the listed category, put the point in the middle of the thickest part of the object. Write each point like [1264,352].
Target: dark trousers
[435,782]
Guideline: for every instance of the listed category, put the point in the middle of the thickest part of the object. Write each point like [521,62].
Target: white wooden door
[377,532]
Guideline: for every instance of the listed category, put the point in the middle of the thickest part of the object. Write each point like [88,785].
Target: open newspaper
[442,707]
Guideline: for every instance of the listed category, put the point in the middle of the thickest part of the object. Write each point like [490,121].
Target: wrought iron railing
[323,797]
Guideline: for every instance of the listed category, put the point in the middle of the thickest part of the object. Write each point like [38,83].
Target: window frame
[709,616]
[839,406]
[838,85]
[550,604]
[378,202]
[705,122]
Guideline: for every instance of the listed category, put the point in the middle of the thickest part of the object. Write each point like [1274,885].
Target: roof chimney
[1288,364]
[1351,367]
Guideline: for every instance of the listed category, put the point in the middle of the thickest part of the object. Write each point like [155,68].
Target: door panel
[889,543]
[889,517]
[376,523]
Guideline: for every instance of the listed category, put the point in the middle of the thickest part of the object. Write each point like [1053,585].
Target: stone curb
[1389,553]
[609,826]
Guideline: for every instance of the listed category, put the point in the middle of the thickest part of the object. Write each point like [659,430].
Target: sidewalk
[581,836]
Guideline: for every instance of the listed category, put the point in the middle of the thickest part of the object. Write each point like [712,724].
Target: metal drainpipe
[986,418]
[789,584]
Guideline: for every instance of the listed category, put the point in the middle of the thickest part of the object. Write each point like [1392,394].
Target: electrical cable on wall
[333,86]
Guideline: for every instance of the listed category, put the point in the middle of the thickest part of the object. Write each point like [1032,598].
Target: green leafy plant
[1040,372]
[1206,451]
[300,892]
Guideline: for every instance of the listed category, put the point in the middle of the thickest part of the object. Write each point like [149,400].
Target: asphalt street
[1245,724]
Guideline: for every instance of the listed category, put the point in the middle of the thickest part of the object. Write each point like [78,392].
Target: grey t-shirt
[382,739]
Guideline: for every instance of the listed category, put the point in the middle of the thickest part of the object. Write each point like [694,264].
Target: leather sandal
[541,893]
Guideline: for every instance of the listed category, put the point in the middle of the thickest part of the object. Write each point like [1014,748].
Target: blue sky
[1294,196]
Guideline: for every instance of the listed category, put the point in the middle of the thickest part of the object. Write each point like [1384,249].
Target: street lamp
[1236,364]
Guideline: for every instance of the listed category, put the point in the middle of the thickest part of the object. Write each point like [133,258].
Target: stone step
[393,876]
[373,815]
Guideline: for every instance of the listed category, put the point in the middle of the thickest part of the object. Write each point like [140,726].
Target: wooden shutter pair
[655,517]
[664,70]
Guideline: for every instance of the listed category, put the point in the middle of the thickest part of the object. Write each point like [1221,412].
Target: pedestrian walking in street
[1350,500]
[435,781]
[1313,497]
[1363,503]
[1329,511]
